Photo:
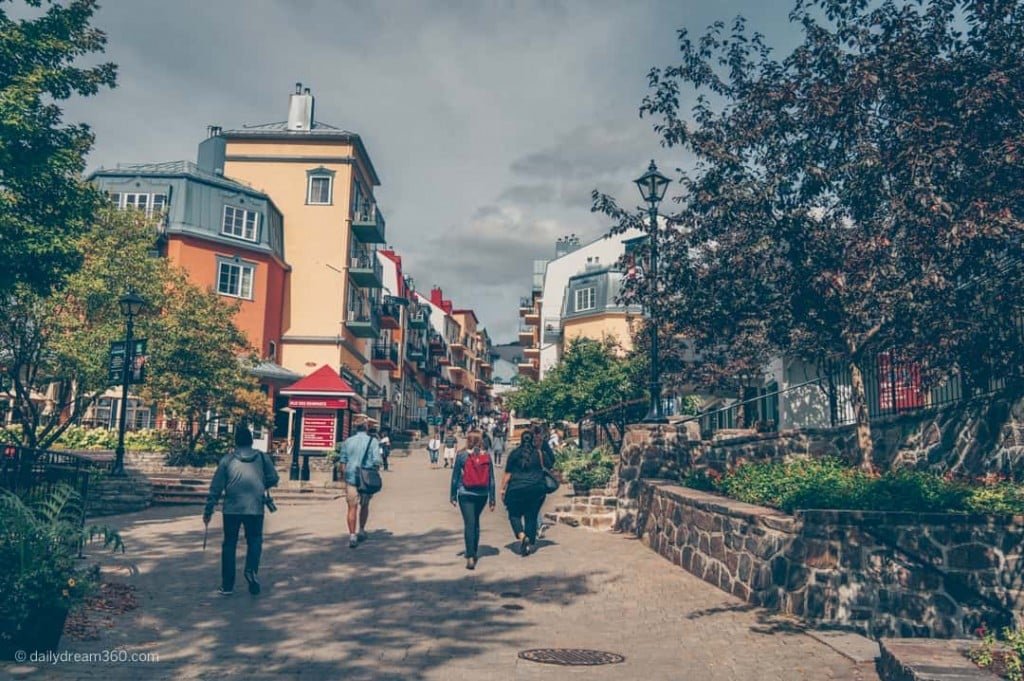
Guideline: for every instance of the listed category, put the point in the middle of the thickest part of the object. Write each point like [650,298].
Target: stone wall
[885,574]
[110,495]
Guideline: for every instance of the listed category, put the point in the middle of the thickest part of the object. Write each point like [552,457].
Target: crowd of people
[472,450]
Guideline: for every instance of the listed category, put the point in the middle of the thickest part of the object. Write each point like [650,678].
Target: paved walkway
[402,606]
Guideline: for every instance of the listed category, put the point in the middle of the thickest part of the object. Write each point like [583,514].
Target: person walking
[472,486]
[450,443]
[358,451]
[243,478]
[522,487]
[385,446]
[434,449]
[498,445]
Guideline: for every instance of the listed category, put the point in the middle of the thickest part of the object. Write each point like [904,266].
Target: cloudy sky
[489,122]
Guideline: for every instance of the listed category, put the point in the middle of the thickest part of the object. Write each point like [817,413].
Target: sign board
[135,358]
[318,402]
[374,402]
[318,430]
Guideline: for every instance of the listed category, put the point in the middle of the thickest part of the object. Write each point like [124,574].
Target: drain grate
[511,594]
[571,657]
[512,606]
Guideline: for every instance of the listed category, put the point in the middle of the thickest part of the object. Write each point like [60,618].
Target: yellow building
[322,179]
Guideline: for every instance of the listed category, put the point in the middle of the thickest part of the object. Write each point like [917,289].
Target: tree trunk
[860,410]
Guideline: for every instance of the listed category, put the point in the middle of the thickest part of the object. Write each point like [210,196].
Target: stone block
[972,557]
[761,577]
[743,568]
[780,570]
[697,565]
[732,563]
[797,577]
[821,554]
[741,590]
[717,548]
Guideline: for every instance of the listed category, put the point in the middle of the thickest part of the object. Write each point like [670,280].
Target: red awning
[325,381]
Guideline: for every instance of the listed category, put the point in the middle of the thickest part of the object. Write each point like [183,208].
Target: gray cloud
[488,122]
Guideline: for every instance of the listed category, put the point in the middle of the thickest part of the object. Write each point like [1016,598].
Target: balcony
[458,343]
[418,319]
[532,317]
[552,330]
[415,353]
[525,305]
[385,356]
[365,271]
[458,364]
[362,321]
[529,368]
[525,334]
[531,352]
[368,223]
[390,314]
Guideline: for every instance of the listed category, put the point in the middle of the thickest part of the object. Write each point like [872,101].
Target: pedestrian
[498,446]
[488,442]
[450,443]
[243,478]
[358,451]
[523,489]
[472,486]
[433,449]
[385,446]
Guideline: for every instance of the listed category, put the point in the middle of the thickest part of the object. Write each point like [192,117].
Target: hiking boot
[254,584]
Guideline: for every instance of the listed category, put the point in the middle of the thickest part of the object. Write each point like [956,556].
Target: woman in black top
[522,486]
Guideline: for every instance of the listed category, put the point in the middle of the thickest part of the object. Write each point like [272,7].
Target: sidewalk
[402,606]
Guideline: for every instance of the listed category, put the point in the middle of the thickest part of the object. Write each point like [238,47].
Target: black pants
[471,506]
[523,507]
[254,546]
[384,453]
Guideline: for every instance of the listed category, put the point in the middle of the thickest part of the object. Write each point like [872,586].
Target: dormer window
[586,299]
[319,187]
[240,223]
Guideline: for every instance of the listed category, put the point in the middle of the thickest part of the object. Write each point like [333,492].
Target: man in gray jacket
[243,478]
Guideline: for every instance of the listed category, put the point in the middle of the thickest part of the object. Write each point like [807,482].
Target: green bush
[590,470]
[829,484]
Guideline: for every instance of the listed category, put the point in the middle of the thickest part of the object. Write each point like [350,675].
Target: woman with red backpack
[472,487]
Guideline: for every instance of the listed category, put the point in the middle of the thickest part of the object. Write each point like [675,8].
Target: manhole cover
[512,606]
[571,657]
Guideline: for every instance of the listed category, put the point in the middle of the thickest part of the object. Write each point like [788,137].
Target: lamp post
[652,187]
[131,303]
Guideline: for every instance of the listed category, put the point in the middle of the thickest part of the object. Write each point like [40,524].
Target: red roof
[323,381]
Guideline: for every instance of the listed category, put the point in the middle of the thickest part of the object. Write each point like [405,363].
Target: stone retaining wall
[111,496]
[885,574]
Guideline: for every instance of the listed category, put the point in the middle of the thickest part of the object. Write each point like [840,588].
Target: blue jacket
[458,488]
[352,451]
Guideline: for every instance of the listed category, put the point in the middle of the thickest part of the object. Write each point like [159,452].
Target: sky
[489,122]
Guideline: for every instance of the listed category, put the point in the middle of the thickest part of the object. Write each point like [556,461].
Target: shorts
[449,453]
[354,498]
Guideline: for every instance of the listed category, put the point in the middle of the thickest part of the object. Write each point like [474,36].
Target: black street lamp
[131,303]
[652,187]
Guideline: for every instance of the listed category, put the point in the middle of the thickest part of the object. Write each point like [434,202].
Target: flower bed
[831,484]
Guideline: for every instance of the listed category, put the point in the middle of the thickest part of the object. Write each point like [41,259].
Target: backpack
[476,473]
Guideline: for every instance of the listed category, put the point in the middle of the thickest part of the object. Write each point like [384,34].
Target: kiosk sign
[318,430]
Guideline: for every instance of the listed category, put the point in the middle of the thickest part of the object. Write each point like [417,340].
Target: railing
[364,313]
[33,474]
[390,308]
[415,352]
[385,352]
[367,260]
[526,302]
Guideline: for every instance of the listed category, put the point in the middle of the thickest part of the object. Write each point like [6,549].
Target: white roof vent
[300,110]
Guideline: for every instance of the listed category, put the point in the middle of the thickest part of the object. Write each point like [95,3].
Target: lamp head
[131,304]
[652,185]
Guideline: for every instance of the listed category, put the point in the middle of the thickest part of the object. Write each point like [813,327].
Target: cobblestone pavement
[402,605]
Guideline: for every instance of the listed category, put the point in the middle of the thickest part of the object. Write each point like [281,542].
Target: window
[145,202]
[272,351]
[234,278]
[319,190]
[585,299]
[240,223]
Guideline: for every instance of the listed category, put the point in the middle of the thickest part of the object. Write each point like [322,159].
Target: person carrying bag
[359,459]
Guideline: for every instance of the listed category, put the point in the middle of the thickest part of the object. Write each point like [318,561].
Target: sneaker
[524,547]
[352,543]
[362,536]
[225,592]
[254,584]
[471,563]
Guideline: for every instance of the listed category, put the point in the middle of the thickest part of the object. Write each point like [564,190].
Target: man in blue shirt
[359,450]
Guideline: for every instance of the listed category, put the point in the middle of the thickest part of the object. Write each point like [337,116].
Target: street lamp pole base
[117,468]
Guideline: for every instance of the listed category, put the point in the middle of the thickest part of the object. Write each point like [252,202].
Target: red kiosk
[325,402]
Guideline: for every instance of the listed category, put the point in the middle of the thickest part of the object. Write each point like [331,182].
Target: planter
[580,490]
[40,632]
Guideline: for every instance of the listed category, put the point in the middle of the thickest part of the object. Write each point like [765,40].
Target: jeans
[433,455]
[471,506]
[523,509]
[254,546]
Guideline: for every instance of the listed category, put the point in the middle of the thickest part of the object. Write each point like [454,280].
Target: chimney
[437,296]
[213,130]
[300,110]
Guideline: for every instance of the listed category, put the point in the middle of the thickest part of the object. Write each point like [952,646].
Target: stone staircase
[596,512]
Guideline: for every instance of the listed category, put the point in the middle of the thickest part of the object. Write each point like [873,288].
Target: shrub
[1009,657]
[590,470]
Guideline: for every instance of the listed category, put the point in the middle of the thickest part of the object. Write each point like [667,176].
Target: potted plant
[43,577]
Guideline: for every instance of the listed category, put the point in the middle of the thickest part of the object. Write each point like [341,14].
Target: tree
[590,376]
[199,364]
[859,194]
[44,203]
[55,346]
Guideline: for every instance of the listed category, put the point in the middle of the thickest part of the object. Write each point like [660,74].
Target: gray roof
[178,169]
[274,372]
[319,127]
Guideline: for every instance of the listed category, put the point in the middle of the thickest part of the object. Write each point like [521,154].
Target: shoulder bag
[551,483]
[368,480]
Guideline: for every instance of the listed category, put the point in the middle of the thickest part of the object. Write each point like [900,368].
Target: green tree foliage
[860,193]
[590,376]
[54,348]
[44,203]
